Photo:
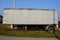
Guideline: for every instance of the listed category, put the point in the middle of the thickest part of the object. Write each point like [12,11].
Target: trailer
[30,17]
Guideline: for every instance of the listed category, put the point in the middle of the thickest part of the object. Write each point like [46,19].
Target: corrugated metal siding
[29,16]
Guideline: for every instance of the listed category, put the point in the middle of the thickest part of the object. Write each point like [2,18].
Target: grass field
[11,32]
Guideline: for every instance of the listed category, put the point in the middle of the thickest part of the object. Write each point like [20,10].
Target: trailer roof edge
[26,9]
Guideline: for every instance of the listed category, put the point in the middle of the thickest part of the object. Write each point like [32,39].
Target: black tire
[51,29]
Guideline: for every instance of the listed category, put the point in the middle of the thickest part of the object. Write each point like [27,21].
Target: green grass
[57,33]
[11,32]
[27,33]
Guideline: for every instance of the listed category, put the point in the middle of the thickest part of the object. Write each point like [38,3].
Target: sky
[41,4]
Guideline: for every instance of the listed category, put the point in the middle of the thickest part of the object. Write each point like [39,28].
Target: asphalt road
[24,38]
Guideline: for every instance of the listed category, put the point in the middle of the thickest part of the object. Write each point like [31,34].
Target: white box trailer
[30,16]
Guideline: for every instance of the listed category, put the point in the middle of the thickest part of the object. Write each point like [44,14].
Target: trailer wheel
[51,29]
